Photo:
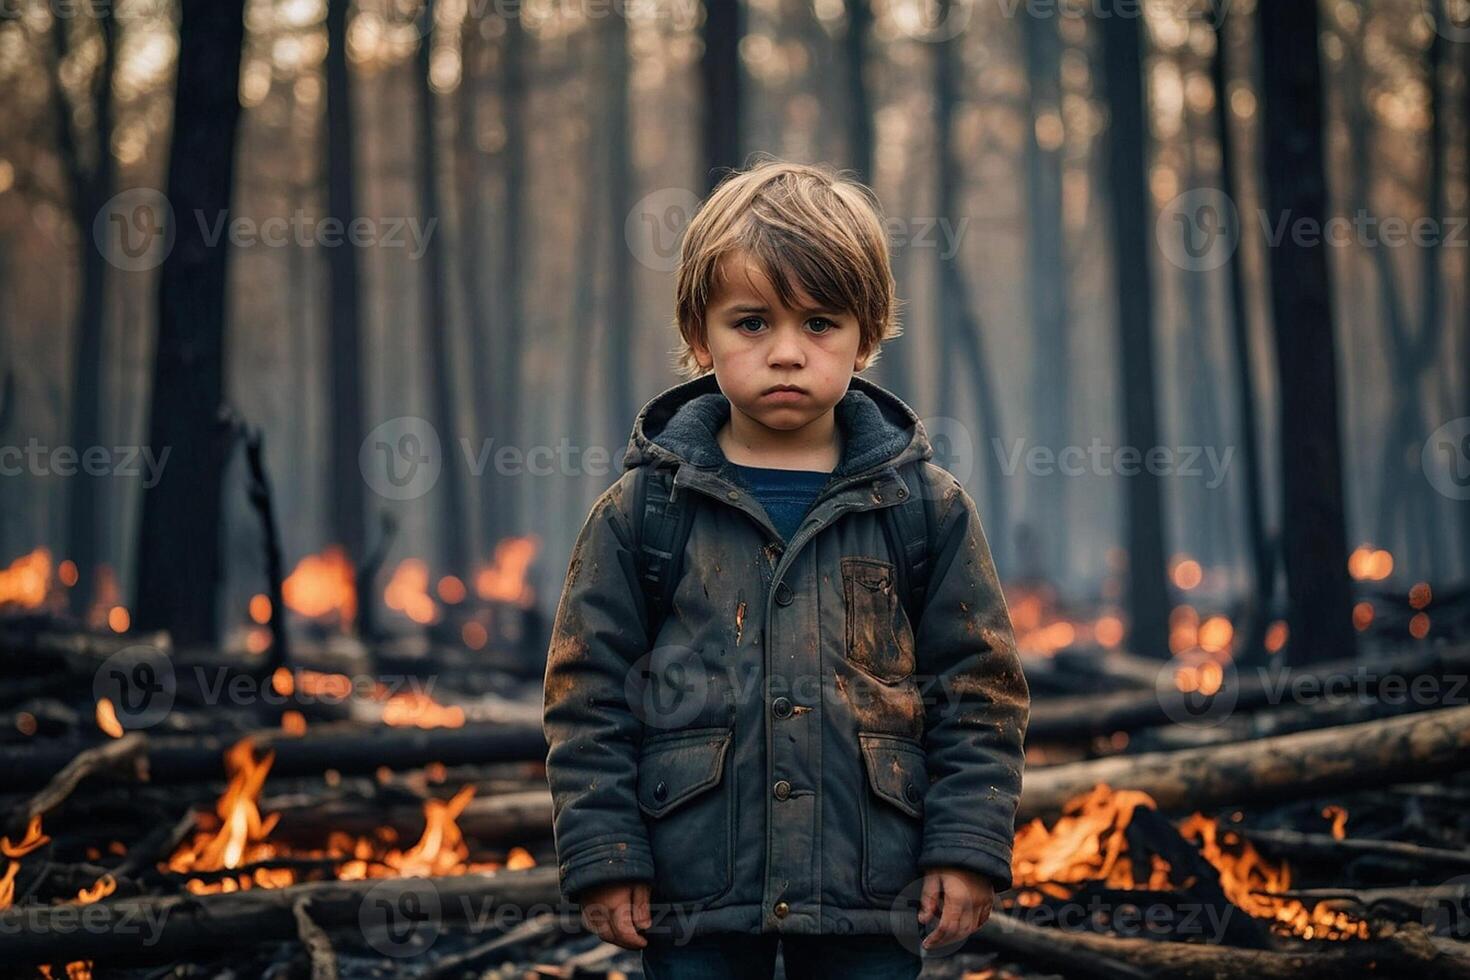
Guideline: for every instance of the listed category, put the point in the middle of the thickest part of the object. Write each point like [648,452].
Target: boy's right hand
[616,911]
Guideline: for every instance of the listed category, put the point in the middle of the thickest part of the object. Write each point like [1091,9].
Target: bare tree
[1314,533]
[1148,590]
[1263,565]
[451,522]
[722,82]
[345,413]
[91,170]
[1046,277]
[958,325]
[179,537]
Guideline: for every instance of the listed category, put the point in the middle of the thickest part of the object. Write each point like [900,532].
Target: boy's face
[754,342]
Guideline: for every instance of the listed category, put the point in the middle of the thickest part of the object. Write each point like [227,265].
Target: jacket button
[781,707]
[781,909]
[784,594]
[911,792]
[782,789]
[661,791]
[733,494]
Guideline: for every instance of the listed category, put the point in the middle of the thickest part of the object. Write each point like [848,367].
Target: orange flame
[504,579]
[107,718]
[242,838]
[407,591]
[323,586]
[1089,844]
[25,582]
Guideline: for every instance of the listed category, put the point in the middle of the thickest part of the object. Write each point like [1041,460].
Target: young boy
[783,700]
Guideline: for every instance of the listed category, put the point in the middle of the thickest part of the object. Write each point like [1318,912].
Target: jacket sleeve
[591,730]
[977,701]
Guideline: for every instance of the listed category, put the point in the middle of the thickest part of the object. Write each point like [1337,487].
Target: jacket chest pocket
[686,792]
[878,638]
[893,812]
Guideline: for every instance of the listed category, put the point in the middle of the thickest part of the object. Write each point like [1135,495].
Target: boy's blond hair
[812,227]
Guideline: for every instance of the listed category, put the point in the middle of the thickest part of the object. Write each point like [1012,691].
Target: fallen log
[1327,847]
[1376,753]
[162,929]
[1083,716]
[1414,901]
[347,749]
[126,754]
[503,818]
[1398,951]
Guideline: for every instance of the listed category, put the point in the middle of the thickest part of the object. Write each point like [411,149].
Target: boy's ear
[702,356]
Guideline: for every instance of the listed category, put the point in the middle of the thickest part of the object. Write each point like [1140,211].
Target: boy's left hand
[962,898]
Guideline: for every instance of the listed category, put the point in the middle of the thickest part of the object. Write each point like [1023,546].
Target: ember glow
[1089,844]
[24,584]
[1042,630]
[237,836]
[408,592]
[404,709]
[323,587]
[1369,564]
[504,579]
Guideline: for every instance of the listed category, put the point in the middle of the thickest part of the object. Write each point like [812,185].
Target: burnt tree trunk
[345,409]
[503,509]
[469,160]
[434,280]
[1046,282]
[179,536]
[89,187]
[859,102]
[619,176]
[722,83]
[1314,526]
[958,323]
[1148,591]
[1263,566]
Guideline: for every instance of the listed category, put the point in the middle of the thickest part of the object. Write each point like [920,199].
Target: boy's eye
[752,322]
[821,324]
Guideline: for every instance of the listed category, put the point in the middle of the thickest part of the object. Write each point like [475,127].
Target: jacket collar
[679,425]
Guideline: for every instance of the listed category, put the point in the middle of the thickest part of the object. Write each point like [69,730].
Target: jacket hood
[680,424]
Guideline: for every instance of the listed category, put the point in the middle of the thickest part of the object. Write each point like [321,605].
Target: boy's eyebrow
[762,308]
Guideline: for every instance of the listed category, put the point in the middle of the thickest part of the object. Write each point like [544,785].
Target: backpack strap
[908,530]
[663,519]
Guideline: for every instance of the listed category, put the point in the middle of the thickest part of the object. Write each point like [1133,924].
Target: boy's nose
[786,351]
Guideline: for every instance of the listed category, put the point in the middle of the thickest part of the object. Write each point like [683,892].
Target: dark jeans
[744,956]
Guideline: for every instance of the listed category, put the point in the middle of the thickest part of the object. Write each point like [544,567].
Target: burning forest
[372,803]
[406,404]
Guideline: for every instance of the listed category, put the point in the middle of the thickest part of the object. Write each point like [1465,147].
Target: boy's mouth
[784,390]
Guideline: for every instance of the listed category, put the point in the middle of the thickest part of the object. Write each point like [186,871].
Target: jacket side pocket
[686,793]
[874,641]
[893,813]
